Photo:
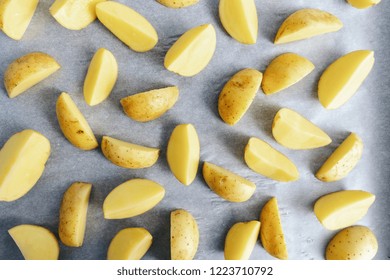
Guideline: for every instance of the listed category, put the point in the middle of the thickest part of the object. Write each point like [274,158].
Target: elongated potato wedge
[363,4]
[22,162]
[132,198]
[342,160]
[73,124]
[27,71]
[307,23]
[177,4]
[192,52]
[129,244]
[238,94]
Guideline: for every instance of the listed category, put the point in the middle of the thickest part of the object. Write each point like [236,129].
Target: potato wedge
[341,80]
[150,105]
[128,155]
[35,242]
[73,124]
[238,94]
[192,52]
[363,4]
[73,214]
[343,160]
[22,162]
[239,18]
[177,4]
[307,23]
[184,235]
[27,71]
[129,244]
[132,198]
[226,184]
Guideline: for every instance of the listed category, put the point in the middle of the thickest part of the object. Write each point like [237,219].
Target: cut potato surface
[176,4]
[363,4]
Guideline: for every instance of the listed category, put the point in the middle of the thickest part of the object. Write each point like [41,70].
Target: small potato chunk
[73,214]
[307,23]
[150,105]
[239,18]
[35,242]
[192,52]
[184,235]
[129,26]
[22,162]
[352,243]
[343,208]
[27,71]
[177,4]
[241,240]
[363,4]
[132,198]
[129,244]
[73,124]
[293,131]
[226,184]
[238,94]
[342,160]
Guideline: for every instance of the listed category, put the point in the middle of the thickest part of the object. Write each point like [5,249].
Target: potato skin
[176,4]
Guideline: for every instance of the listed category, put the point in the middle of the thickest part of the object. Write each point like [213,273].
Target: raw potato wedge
[226,184]
[73,214]
[293,131]
[238,94]
[35,242]
[183,153]
[129,26]
[271,232]
[192,52]
[132,198]
[129,244]
[27,71]
[73,124]
[343,160]
[307,23]
[265,160]
[74,14]
[363,4]
[177,4]
[343,208]
[241,240]
[128,155]
[239,18]
[150,105]
[341,80]
[352,243]
[15,16]
[184,235]
[285,71]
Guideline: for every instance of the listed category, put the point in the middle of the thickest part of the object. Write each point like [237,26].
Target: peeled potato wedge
[129,26]
[150,105]
[238,94]
[177,4]
[363,4]
[35,242]
[192,52]
[307,23]
[27,71]
[341,80]
[239,18]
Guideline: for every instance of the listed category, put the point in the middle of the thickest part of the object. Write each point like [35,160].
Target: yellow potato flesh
[267,161]
[227,184]
[35,242]
[132,198]
[192,52]
[101,77]
[176,4]
[22,162]
[342,78]
[15,16]
[73,214]
[239,18]
[129,26]
[342,160]
[240,240]
[183,153]
[363,4]
[129,244]
[342,209]
[293,131]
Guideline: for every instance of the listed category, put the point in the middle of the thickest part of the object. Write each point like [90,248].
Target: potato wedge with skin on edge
[363,4]
[177,4]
